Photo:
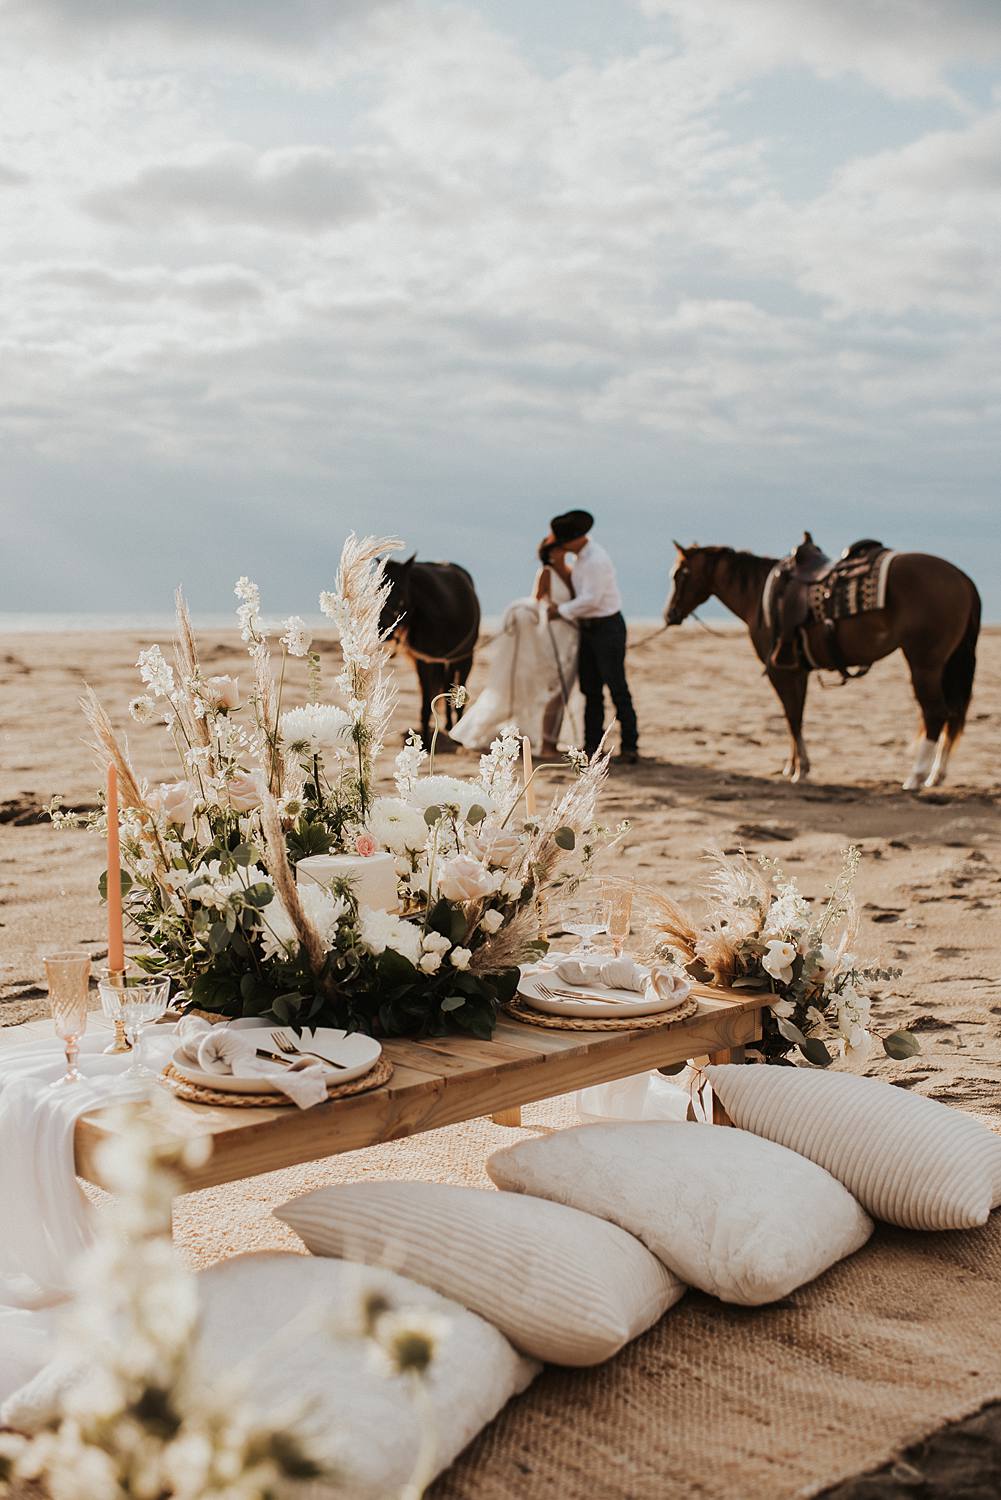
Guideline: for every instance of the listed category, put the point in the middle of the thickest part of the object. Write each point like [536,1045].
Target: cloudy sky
[714,268]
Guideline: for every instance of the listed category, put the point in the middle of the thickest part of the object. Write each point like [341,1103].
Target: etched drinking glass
[67,976]
[620,909]
[143,1001]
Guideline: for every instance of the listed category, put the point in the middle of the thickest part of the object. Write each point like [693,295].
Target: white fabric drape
[532,667]
[46,1215]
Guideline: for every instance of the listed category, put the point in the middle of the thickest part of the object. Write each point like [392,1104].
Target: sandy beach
[713,741]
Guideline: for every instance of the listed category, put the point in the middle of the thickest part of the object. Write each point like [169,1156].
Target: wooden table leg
[508,1117]
[731,1055]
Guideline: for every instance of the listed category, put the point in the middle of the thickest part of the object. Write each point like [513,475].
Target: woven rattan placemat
[522,1012]
[194,1093]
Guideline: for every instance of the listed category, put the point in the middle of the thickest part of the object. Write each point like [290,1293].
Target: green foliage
[565,838]
[102,884]
[901,1044]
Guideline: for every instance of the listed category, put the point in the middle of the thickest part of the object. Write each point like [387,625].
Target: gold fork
[551,994]
[286,1045]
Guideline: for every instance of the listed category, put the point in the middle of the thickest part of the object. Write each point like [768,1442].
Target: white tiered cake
[373,876]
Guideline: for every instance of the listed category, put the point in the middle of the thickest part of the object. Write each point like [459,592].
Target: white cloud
[298,188]
[460,269]
[903,46]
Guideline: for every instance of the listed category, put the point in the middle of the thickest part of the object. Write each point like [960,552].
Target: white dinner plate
[358,1054]
[593,1000]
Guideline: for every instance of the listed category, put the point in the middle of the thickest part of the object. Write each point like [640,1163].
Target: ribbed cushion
[739,1217]
[908,1160]
[562,1286]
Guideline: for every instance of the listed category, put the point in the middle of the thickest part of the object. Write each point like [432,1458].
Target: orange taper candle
[116,940]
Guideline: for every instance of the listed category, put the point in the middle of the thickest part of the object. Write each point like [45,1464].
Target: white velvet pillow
[908,1160]
[247,1301]
[561,1285]
[732,1214]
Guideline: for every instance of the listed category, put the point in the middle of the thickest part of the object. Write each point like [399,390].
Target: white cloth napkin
[218,1049]
[662,981]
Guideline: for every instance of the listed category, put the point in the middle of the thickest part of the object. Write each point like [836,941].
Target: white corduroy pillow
[279,1316]
[908,1160]
[561,1285]
[739,1217]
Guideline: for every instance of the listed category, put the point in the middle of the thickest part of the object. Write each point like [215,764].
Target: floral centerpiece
[759,933]
[209,879]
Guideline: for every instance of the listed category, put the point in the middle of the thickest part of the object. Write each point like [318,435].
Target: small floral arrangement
[760,933]
[145,1417]
[211,857]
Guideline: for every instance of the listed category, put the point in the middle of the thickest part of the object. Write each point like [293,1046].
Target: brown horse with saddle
[807,612]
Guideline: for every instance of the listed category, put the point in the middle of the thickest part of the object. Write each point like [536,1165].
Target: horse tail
[957,676]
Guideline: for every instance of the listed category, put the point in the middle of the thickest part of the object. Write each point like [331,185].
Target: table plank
[436,1083]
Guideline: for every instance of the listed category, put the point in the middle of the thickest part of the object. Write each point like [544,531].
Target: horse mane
[745,565]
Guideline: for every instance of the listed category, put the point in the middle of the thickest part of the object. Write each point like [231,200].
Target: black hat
[572,526]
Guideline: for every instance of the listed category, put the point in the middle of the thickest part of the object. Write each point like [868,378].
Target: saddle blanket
[855,586]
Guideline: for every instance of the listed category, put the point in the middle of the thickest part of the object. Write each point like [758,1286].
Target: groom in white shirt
[596,608]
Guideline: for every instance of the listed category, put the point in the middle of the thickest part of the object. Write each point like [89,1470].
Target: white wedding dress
[532,677]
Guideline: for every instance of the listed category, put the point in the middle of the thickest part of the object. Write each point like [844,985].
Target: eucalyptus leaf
[476,814]
[901,1044]
[219,937]
[814,1051]
[565,838]
[126,883]
[790,1032]
[453,1002]
[432,815]
[243,854]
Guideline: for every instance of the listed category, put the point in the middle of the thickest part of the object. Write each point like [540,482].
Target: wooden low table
[442,1082]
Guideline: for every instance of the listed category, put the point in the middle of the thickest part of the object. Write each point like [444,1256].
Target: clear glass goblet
[68,975]
[585,915]
[143,1001]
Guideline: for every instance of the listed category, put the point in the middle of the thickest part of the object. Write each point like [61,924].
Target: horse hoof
[935,780]
[912,784]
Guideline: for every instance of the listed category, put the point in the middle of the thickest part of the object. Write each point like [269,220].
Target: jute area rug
[716,1401]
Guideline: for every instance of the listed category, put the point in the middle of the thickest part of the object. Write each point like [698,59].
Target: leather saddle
[798,576]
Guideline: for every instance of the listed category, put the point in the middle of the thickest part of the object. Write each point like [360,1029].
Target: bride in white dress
[532,667]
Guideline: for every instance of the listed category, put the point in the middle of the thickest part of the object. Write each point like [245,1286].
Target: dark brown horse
[436,615]
[931,613]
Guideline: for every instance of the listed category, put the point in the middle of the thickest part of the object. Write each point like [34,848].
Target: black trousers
[602,665]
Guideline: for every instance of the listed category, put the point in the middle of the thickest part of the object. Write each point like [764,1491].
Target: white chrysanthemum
[379,930]
[449,791]
[297,638]
[492,921]
[322,908]
[397,826]
[316,727]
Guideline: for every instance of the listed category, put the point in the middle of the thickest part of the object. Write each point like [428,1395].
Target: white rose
[174,801]
[244,792]
[495,846]
[459,958]
[465,879]
[778,960]
[430,963]
[433,942]
[492,921]
[222,692]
